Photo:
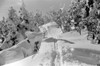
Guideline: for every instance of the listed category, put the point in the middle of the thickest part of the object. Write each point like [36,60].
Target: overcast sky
[32,5]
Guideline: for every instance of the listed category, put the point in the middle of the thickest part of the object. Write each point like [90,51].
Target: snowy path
[50,56]
[47,56]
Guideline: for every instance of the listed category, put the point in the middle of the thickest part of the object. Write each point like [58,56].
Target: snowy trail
[44,57]
[49,55]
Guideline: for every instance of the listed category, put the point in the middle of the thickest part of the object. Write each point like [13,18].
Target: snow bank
[20,50]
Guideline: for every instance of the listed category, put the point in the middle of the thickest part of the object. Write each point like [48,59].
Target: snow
[72,27]
[51,54]
[72,49]
[0,40]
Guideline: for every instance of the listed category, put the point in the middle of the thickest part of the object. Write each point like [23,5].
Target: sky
[32,5]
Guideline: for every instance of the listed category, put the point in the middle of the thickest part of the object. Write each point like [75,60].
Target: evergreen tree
[56,16]
[38,18]
[12,15]
[28,21]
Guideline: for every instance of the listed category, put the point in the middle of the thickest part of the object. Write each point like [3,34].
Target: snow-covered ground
[62,53]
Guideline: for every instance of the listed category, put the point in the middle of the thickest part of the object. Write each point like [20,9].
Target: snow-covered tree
[12,15]
[38,18]
[28,20]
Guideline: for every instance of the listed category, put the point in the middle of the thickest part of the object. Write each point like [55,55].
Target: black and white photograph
[49,32]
